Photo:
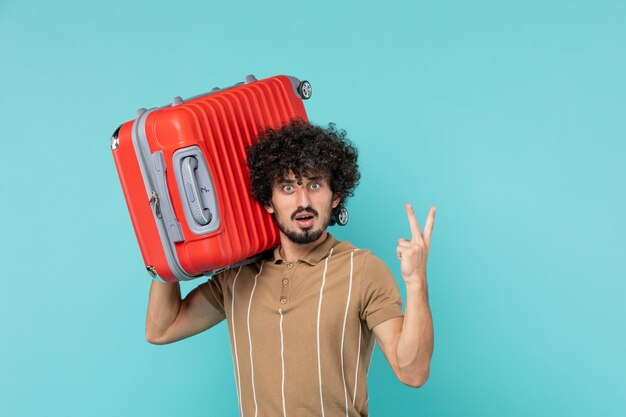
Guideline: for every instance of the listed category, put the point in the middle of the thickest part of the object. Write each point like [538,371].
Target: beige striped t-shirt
[301,333]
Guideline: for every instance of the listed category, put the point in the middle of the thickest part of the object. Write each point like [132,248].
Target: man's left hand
[413,254]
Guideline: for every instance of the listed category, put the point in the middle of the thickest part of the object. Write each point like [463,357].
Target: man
[303,319]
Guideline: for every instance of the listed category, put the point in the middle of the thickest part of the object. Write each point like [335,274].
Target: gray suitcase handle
[200,214]
[197,193]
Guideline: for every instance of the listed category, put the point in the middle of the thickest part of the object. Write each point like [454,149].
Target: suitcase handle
[201,215]
[196,190]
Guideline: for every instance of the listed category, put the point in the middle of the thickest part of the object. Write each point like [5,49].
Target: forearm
[163,307]
[416,341]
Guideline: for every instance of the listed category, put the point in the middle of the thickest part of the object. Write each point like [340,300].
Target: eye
[287,188]
[315,186]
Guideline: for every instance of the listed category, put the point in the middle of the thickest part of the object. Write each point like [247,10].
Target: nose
[302,197]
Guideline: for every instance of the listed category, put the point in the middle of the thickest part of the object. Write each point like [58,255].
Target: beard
[306,235]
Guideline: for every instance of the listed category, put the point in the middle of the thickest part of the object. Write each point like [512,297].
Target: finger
[406,244]
[430,224]
[400,252]
[416,235]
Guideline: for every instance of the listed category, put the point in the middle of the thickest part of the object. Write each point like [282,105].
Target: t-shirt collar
[317,254]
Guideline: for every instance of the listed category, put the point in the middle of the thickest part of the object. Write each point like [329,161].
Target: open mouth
[304,219]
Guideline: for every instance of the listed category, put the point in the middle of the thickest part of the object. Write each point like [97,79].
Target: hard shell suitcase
[185,179]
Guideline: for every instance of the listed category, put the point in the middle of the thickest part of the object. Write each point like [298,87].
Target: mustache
[301,209]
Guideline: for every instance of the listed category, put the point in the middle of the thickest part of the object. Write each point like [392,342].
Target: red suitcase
[185,178]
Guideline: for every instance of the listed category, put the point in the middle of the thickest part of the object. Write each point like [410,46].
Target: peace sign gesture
[413,254]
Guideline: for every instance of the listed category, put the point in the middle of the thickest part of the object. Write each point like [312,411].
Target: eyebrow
[286,181]
[291,181]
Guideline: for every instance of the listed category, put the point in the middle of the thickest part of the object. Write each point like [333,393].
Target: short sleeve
[213,289]
[380,295]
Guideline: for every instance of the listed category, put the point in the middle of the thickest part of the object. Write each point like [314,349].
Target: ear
[336,200]
[269,208]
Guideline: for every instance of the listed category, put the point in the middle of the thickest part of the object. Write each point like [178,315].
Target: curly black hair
[303,148]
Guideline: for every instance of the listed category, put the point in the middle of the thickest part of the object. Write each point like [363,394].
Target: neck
[292,252]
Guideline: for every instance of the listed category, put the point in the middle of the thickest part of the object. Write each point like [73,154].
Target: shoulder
[247,268]
[368,265]
[345,247]
[252,269]
[364,260]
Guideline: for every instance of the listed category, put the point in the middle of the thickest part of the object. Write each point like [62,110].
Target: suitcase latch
[154,202]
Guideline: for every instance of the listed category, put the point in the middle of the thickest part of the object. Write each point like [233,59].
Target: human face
[302,206]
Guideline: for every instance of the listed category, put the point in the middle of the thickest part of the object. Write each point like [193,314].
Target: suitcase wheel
[305,90]
[342,219]
[151,270]
[115,142]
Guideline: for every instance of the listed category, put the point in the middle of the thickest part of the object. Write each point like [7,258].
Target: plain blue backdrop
[509,116]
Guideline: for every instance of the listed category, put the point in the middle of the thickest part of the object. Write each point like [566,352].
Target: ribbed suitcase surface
[185,179]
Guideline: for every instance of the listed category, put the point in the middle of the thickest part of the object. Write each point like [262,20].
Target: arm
[169,319]
[408,342]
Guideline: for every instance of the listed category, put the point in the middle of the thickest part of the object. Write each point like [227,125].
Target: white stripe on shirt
[232,320]
[282,360]
[256,408]
[356,372]
[319,309]
[343,331]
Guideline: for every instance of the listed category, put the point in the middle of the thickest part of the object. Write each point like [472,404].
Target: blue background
[507,116]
